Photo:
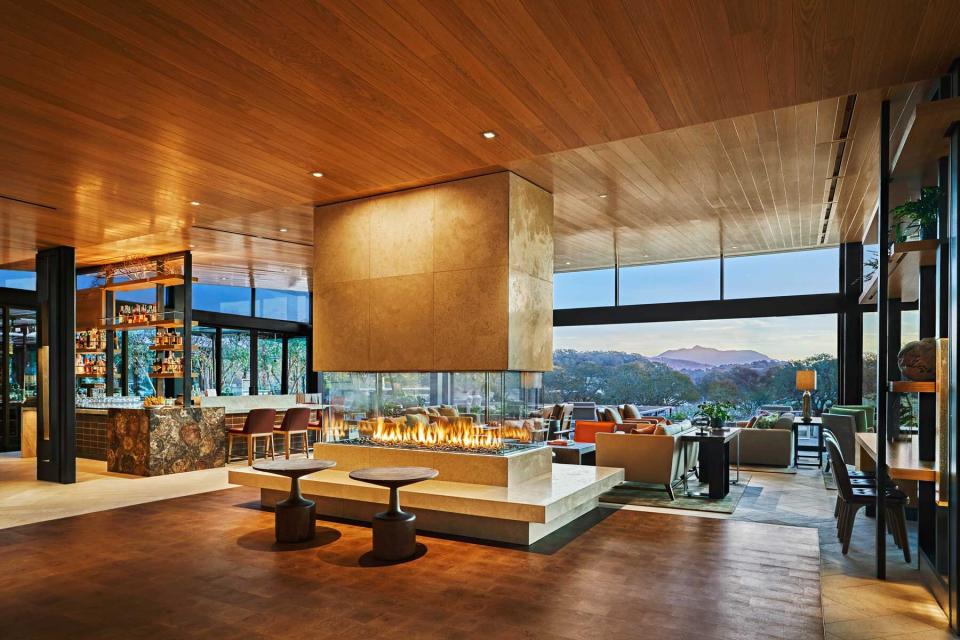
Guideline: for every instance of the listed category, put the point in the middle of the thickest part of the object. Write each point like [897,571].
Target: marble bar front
[157,441]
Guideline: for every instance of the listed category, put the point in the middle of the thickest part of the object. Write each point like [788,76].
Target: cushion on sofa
[610,414]
[869,412]
[448,412]
[414,419]
[859,416]
[630,412]
[670,429]
[586,430]
[646,430]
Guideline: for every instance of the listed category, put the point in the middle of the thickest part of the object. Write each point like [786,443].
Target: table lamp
[806,382]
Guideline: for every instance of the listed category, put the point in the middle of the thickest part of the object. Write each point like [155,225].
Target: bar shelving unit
[917,271]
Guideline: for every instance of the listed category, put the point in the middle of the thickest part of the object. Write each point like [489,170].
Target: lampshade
[806,380]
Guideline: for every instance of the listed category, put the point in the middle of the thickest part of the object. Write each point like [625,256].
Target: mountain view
[684,377]
[710,356]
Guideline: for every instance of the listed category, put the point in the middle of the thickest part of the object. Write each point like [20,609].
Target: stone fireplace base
[527,507]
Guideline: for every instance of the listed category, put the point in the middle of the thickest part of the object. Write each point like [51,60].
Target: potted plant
[717,410]
[919,215]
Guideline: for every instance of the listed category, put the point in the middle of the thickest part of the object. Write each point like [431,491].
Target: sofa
[766,447]
[652,459]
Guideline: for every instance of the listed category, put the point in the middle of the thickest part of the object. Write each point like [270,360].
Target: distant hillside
[711,357]
[681,365]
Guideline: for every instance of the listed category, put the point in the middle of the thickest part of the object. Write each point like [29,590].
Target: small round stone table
[295,519]
[394,531]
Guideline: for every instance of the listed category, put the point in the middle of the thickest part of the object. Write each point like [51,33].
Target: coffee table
[575,453]
[295,518]
[394,530]
[714,460]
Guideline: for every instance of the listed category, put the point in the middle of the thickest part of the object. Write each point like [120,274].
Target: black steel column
[883,309]
[850,325]
[56,347]
[218,361]
[254,365]
[109,312]
[5,383]
[284,366]
[894,338]
[124,363]
[927,411]
[187,329]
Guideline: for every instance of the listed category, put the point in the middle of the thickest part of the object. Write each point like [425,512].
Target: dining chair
[854,497]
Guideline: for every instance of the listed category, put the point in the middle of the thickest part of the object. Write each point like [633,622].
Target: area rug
[643,495]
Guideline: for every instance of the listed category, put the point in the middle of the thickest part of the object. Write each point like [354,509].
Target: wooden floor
[206,566]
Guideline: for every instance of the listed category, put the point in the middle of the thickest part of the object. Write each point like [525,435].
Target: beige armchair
[652,459]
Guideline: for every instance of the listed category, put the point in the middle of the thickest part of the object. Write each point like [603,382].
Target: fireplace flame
[455,433]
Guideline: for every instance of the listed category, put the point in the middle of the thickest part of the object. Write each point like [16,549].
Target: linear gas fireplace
[468,412]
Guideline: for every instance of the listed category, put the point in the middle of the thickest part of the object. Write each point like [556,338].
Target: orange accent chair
[587,430]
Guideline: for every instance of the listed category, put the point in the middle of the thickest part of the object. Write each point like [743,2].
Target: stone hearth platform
[519,514]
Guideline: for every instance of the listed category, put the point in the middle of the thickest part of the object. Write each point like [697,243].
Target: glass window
[403,390]
[670,282]
[676,365]
[782,274]
[140,363]
[222,299]
[297,365]
[13,279]
[351,396]
[909,331]
[204,357]
[283,305]
[269,363]
[578,289]
[236,362]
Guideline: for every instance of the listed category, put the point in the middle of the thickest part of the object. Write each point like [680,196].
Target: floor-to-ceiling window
[748,361]
[235,345]
[269,363]
[297,365]
[204,358]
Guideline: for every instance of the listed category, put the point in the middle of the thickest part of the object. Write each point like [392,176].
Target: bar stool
[853,498]
[316,426]
[259,424]
[295,421]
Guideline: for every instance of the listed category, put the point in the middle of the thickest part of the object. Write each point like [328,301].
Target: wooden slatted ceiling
[763,179]
[118,114]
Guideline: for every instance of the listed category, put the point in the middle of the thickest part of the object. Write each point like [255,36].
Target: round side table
[295,518]
[394,530]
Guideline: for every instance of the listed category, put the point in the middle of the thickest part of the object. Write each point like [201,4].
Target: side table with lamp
[807,382]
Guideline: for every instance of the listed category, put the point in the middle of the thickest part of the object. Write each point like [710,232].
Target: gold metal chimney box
[455,276]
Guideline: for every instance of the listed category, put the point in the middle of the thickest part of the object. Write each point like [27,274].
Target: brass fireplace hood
[456,276]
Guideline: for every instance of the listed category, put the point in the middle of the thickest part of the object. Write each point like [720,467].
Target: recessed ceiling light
[567,263]
[284,230]
[317,174]
[489,135]
[223,277]
[603,195]
[195,203]
[192,246]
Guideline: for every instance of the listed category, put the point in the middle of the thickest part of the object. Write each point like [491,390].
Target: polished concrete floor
[206,566]
[24,500]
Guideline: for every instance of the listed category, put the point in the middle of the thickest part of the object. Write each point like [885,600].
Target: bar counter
[157,441]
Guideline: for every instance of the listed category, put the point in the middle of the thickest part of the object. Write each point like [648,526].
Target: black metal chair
[853,498]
